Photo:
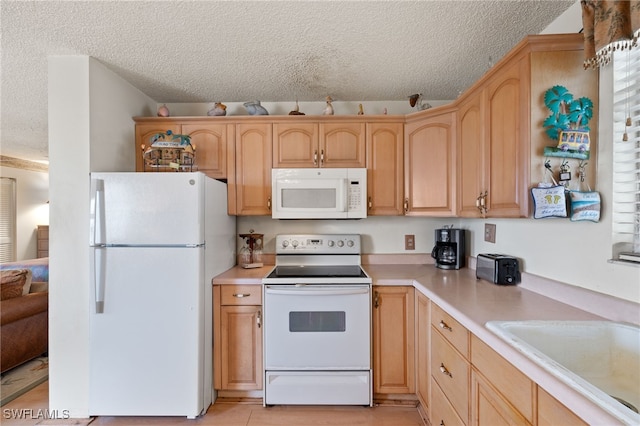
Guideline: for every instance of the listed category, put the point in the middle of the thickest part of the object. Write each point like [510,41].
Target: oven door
[317,327]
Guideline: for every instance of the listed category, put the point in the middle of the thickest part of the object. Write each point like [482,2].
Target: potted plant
[569,119]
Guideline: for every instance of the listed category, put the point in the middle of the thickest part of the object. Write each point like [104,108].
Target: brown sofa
[24,321]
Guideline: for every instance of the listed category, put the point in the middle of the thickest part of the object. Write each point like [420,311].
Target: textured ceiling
[233,51]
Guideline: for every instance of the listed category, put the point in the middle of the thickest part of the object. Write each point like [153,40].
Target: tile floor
[31,406]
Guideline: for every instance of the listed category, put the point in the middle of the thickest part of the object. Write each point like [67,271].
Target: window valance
[609,25]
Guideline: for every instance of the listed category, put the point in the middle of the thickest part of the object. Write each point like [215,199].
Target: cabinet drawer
[511,383]
[442,413]
[241,295]
[452,372]
[451,329]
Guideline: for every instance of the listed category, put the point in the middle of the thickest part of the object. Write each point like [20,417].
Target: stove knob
[294,243]
[285,243]
[350,243]
[331,243]
[340,243]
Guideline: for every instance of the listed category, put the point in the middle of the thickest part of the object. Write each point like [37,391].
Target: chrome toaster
[498,268]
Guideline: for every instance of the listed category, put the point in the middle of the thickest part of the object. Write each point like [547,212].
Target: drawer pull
[241,295]
[444,370]
[443,325]
[441,422]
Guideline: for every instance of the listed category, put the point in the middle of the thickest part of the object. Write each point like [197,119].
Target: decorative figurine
[163,111]
[296,110]
[328,110]
[254,108]
[413,99]
[219,109]
[360,110]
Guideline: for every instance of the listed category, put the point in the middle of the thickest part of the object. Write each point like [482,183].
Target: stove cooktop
[316,271]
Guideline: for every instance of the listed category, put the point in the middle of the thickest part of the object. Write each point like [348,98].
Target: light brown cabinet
[384,153]
[551,412]
[210,141]
[430,164]
[500,393]
[393,340]
[237,347]
[500,134]
[319,144]
[251,180]
[423,352]
[450,367]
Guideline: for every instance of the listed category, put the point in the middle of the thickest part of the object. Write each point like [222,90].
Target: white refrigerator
[156,241]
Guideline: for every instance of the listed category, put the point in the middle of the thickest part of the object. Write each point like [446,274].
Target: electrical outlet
[409,242]
[490,232]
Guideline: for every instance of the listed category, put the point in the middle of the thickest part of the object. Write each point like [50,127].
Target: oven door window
[313,321]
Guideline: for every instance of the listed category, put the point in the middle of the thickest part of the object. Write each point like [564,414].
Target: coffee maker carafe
[449,249]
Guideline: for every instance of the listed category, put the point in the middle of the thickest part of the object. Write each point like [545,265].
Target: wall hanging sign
[585,205]
[549,202]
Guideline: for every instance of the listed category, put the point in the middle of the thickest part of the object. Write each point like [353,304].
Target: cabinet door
[253,169]
[144,133]
[342,145]
[470,154]
[552,412]
[506,166]
[393,340]
[210,141]
[295,145]
[241,340]
[384,169]
[422,349]
[430,166]
[489,407]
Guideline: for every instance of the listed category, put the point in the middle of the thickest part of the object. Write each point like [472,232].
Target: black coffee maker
[449,251]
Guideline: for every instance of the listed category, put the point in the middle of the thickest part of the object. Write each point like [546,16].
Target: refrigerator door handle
[99,259]
[96,220]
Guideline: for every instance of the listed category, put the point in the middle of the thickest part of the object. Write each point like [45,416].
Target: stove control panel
[318,244]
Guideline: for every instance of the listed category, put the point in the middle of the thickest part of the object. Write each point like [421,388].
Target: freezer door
[147,347]
[147,208]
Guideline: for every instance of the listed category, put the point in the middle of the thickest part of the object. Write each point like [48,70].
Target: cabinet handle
[322,157]
[444,370]
[441,422]
[269,203]
[241,295]
[370,203]
[315,157]
[443,325]
[259,319]
[406,204]
[376,300]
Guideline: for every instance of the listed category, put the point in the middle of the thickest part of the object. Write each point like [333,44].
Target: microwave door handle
[342,195]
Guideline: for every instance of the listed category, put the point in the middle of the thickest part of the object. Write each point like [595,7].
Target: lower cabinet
[551,412]
[501,394]
[422,352]
[393,340]
[237,351]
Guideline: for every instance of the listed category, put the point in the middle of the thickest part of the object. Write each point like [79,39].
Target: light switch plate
[409,242]
[490,232]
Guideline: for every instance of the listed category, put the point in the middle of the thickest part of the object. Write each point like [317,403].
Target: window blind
[7,219]
[626,155]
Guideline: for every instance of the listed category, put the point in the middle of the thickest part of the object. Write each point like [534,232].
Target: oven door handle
[301,291]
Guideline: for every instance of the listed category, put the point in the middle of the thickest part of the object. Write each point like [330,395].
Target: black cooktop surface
[315,271]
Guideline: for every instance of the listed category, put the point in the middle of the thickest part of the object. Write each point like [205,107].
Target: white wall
[90,129]
[31,205]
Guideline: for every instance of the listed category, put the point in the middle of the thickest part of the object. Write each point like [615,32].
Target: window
[7,219]
[626,155]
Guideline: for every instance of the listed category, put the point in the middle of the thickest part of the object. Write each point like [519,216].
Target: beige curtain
[609,25]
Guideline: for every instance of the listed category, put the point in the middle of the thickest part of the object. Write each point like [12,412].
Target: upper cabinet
[210,141]
[251,181]
[500,134]
[429,163]
[336,143]
[384,168]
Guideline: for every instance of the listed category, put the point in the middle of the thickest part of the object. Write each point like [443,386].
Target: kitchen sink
[599,359]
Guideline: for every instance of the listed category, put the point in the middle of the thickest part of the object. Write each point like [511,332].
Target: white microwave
[319,193]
